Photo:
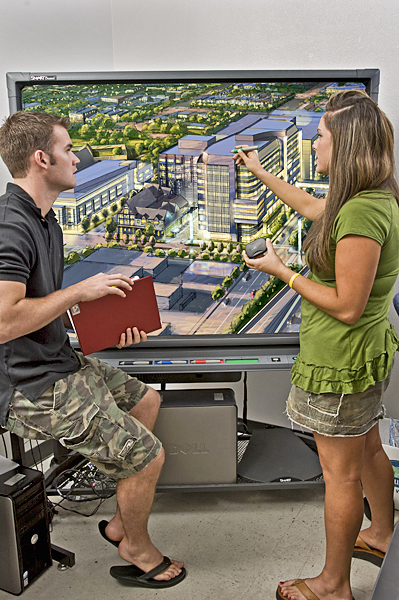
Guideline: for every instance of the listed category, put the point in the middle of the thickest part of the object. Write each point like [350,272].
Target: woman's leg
[341,459]
[378,485]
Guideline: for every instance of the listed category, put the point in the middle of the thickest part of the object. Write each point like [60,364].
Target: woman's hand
[268,262]
[249,159]
[306,204]
[130,337]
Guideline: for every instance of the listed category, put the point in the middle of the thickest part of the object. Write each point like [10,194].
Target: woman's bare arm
[356,263]
[305,204]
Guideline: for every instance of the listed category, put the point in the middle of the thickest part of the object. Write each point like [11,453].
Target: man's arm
[20,315]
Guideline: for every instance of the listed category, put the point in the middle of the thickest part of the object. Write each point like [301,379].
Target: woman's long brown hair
[362,158]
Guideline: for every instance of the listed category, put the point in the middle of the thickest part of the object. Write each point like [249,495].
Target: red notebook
[99,323]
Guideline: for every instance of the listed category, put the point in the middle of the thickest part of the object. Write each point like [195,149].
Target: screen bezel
[17,81]
[229,344]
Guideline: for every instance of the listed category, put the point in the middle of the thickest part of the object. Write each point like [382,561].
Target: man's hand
[130,337]
[101,285]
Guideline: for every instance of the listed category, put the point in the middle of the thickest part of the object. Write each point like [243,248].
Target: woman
[347,344]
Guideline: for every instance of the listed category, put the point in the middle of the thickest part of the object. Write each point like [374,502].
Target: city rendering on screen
[158,192]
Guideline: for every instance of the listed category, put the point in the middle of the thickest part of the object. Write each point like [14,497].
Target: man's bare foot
[146,561]
[292,590]
[113,532]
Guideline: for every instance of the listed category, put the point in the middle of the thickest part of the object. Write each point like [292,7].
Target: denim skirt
[337,414]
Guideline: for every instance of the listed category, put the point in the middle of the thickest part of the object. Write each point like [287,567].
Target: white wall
[90,35]
[46,35]
[261,34]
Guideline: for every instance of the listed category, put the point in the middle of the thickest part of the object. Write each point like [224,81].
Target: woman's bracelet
[291,281]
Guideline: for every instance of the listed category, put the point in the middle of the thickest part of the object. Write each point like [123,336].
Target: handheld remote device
[256,248]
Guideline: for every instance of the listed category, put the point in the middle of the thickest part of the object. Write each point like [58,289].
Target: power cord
[5,446]
[83,484]
[245,433]
[55,505]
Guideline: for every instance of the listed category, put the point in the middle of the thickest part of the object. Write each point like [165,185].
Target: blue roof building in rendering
[99,184]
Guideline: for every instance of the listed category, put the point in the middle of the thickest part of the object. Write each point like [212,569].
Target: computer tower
[25,550]
[198,430]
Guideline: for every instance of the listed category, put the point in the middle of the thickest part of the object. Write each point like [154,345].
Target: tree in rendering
[218,293]
[85,223]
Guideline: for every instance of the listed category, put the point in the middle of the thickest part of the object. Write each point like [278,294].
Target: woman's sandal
[302,587]
[366,552]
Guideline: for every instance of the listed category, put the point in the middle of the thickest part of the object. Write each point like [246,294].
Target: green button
[241,360]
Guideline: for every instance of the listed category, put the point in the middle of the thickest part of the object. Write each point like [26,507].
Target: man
[47,389]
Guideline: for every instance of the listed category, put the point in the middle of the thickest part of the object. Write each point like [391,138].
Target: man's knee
[151,401]
[155,466]
[160,457]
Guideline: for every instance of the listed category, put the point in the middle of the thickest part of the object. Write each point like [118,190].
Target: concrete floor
[235,545]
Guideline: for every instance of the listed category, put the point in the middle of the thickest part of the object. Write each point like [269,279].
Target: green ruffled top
[346,359]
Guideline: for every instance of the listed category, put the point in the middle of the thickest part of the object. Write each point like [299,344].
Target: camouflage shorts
[337,414]
[88,411]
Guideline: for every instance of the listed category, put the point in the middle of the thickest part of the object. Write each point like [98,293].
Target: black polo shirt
[31,252]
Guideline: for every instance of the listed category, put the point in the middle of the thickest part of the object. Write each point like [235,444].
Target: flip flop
[366,552]
[135,576]
[303,588]
[101,528]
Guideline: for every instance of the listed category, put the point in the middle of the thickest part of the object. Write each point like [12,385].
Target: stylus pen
[245,149]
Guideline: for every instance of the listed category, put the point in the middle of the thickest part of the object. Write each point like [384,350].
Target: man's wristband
[291,281]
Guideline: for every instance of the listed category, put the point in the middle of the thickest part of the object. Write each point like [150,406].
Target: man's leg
[135,495]
[146,411]
[83,404]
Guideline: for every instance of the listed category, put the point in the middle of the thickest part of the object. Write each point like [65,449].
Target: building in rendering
[99,184]
[177,166]
[233,205]
[82,115]
[308,162]
[338,87]
[254,202]
[156,205]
